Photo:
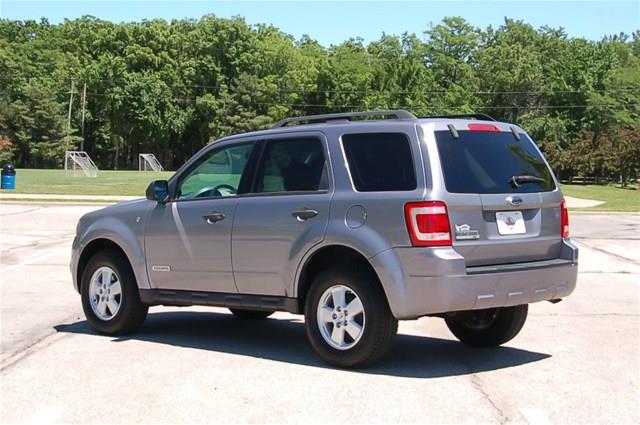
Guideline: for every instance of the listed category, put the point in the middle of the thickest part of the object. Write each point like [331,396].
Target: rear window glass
[380,162]
[293,165]
[487,162]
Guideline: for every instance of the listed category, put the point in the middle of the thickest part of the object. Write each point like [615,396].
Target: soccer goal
[78,163]
[149,162]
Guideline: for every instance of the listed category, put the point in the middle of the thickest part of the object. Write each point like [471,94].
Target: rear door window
[293,165]
[487,162]
[380,162]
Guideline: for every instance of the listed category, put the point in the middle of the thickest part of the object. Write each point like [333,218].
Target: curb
[62,197]
[68,202]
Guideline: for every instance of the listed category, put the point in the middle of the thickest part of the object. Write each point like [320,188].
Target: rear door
[285,214]
[502,199]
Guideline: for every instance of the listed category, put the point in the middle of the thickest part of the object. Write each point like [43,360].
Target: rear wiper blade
[517,181]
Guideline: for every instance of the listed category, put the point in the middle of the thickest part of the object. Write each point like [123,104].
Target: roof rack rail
[484,117]
[400,114]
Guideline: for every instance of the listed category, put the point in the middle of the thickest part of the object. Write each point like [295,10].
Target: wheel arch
[94,247]
[327,256]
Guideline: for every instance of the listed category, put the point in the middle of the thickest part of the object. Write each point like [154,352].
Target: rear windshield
[380,161]
[487,162]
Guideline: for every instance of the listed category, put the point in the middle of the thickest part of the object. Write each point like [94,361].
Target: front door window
[218,175]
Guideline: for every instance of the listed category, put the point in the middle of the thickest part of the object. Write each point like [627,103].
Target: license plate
[510,223]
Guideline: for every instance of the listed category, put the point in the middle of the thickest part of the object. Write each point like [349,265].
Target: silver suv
[352,221]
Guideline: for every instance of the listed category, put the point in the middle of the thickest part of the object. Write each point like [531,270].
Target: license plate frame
[510,223]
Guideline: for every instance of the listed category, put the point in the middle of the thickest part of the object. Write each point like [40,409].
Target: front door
[286,214]
[188,239]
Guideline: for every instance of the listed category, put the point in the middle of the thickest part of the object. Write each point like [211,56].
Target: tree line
[169,88]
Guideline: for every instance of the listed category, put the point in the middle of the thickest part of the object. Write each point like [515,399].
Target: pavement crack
[604,251]
[607,272]
[46,339]
[23,212]
[476,382]
[38,244]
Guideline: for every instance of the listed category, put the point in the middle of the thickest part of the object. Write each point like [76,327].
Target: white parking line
[29,261]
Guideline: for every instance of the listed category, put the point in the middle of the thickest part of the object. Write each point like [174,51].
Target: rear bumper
[436,280]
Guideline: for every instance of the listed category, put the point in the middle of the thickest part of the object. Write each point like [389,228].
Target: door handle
[214,216]
[304,214]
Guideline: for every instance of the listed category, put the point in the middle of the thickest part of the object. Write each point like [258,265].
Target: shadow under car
[285,340]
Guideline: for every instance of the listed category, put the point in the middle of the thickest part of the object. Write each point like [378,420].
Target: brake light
[428,223]
[564,220]
[483,127]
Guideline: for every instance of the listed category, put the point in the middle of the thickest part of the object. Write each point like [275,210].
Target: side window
[292,165]
[380,162]
[218,175]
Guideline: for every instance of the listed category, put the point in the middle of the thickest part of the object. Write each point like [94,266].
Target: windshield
[492,162]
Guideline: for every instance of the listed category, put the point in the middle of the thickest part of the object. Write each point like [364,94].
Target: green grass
[123,183]
[134,183]
[615,198]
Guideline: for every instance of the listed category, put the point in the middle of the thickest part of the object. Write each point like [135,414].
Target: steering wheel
[228,187]
[215,191]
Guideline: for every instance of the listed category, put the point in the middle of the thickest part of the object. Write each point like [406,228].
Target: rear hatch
[501,196]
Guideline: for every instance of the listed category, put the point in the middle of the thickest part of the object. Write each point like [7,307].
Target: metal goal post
[78,163]
[149,162]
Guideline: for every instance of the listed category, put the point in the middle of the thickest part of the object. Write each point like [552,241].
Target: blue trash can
[8,177]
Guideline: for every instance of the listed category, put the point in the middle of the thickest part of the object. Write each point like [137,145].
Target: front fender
[130,239]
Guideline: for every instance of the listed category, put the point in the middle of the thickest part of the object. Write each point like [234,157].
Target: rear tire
[370,327]
[250,314]
[490,327]
[109,294]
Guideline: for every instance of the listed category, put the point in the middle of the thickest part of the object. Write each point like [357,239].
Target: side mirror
[158,191]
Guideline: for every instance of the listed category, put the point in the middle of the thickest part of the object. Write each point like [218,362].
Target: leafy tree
[172,87]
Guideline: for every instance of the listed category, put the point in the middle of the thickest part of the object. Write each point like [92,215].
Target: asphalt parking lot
[576,361]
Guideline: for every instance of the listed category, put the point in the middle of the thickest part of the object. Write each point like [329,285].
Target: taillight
[428,223]
[564,217]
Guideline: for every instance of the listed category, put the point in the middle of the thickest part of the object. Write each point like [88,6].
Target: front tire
[348,320]
[109,293]
[488,328]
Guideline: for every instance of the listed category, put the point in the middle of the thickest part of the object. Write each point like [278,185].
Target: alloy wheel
[341,317]
[105,293]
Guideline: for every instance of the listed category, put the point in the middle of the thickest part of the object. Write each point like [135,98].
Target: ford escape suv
[355,220]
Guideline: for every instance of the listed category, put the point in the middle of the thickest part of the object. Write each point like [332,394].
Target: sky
[334,22]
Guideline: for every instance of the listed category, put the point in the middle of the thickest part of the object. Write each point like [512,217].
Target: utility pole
[84,102]
[73,85]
